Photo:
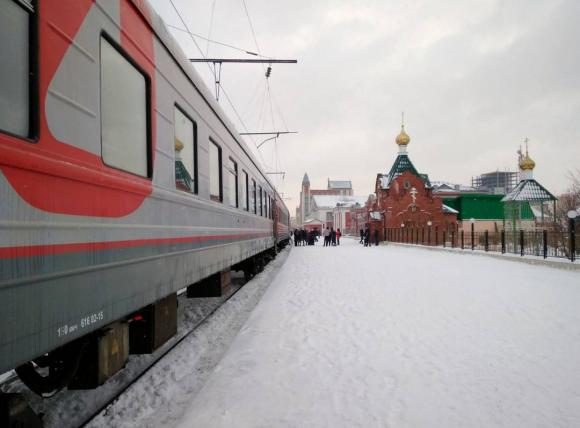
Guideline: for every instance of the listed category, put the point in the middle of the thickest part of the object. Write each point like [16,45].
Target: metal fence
[542,243]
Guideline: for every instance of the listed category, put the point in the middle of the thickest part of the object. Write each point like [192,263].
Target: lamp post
[472,221]
[572,214]
[402,232]
[429,224]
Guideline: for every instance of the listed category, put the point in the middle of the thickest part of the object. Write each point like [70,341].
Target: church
[405,199]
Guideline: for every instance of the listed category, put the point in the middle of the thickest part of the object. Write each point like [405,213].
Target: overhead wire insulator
[268,71]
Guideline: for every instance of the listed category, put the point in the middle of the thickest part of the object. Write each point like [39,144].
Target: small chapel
[405,200]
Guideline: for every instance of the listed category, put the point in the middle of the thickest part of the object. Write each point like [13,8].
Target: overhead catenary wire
[210,27]
[199,36]
[267,86]
[213,73]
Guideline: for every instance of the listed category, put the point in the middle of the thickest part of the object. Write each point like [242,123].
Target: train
[122,181]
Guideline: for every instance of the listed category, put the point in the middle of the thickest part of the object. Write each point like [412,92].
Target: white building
[331,210]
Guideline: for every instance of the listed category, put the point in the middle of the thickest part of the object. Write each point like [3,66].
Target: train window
[245,204]
[261,206]
[215,172]
[123,112]
[253,195]
[233,183]
[16,67]
[185,146]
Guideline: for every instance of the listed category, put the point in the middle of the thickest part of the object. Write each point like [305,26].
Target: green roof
[485,207]
[402,164]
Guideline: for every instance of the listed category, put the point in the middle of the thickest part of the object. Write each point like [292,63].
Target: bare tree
[570,200]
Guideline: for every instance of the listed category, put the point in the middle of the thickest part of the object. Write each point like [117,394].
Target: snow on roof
[449,210]
[339,184]
[313,220]
[446,186]
[528,190]
[331,201]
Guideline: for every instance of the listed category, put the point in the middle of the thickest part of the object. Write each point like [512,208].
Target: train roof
[174,49]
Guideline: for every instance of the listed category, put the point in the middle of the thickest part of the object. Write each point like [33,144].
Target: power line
[213,73]
[210,27]
[247,51]
[251,26]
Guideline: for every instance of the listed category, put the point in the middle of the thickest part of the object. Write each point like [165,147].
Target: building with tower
[306,210]
[405,198]
[525,206]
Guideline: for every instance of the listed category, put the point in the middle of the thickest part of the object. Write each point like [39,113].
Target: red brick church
[405,200]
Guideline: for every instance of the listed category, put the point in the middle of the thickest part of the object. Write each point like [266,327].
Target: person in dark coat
[367,237]
[376,237]
[296,237]
[333,236]
[362,236]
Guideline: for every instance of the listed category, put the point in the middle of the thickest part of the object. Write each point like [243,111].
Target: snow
[403,337]
[162,395]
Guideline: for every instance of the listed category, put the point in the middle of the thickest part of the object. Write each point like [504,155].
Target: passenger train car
[121,182]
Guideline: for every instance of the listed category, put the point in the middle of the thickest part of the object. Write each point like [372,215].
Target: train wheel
[62,365]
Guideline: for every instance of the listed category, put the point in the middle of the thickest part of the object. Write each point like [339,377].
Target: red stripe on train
[41,250]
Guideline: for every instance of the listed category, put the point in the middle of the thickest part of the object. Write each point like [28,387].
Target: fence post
[522,242]
[452,239]
[545,242]
[429,236]
[444,236]
[503,241]
[472,236]
[486,235]
[436,235]
[572,233]
[462,240]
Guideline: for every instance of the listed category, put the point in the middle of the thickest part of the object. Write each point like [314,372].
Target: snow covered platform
[391,336]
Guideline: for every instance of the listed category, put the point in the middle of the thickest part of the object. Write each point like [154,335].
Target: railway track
[165,350]
[79,408]
[87,404]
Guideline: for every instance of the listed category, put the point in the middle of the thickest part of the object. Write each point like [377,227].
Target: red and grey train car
[121,182]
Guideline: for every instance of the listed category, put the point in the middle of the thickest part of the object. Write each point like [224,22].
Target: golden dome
[527,163]
[178,145]
[403,139]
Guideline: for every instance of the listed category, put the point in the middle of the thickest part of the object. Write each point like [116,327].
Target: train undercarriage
[88,362]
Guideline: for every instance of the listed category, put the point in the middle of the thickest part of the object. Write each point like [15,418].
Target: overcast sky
[473,77]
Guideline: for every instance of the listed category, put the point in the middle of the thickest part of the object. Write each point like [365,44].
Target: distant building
[334,188]
[497,182]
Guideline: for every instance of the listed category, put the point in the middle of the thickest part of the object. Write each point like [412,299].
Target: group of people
[305,237]
[331,236]
[365,237]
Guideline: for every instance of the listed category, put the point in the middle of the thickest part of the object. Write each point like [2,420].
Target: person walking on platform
[367,237]
[338,235]
[333,236]
[376,236]
[362,236]
[326,234]
[296,237]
